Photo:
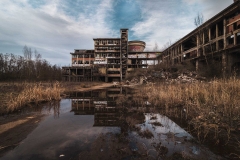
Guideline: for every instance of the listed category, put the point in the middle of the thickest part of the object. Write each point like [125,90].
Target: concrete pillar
[224,33]
[197,65]
[203,49]
[171,56]
[181,51]
[76,75]
[217,46]
[203,38]
[198,41]
[69,75]
[83,60]
[235,39]
[209,34]
[198,45]
[77,59]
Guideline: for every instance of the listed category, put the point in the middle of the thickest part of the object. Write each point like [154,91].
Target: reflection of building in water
[100,103]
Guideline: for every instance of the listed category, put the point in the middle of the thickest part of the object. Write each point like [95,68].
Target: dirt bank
[15,128]
[84,86]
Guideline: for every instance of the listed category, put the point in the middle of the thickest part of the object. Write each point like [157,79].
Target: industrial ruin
[110,60]
[218,40]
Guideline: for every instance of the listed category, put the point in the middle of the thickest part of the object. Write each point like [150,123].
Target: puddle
[95,125]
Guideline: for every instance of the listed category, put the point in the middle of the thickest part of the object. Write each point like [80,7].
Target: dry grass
[32,93]
[224,94]
[16,95]
[212,108]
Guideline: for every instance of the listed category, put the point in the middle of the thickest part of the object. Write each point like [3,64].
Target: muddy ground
[15,128]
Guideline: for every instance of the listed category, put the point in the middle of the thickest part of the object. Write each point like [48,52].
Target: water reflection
[100,103]
[105,124]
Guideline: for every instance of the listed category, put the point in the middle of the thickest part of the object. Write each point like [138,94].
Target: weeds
[211,108]
[33,93]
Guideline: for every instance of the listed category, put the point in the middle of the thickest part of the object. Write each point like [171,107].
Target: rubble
[166,76]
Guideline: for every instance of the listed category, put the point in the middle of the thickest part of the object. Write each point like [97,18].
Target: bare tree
[19,68]
[167,45]
[156,48]
[199,20]
[27,52]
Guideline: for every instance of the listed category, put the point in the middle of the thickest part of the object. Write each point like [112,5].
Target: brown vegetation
[16,95]
[33,93]
[210,108]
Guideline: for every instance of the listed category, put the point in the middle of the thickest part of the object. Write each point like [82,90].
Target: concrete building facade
[218,38]
[110,60]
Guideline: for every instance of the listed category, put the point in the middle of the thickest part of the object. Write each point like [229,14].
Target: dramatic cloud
[50,29]
[168,21]
[57,27]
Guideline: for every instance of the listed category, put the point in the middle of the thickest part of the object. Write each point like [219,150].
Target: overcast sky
[56,27]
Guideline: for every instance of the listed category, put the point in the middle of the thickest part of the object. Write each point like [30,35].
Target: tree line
[29,67]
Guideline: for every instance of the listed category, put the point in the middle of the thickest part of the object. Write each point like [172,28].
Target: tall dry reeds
[33,93]
[208,106]
[223,93]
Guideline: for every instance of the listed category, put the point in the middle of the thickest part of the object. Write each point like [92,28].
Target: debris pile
[165,76]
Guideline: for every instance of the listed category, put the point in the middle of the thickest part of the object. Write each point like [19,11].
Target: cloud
[50,29]
[57,27]
[165,21]
[209,8]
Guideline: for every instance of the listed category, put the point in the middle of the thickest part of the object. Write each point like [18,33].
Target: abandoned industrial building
[110,60]
[217,39]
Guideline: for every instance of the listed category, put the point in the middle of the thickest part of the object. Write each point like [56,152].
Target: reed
[33,93]
[224,93]
[211,109]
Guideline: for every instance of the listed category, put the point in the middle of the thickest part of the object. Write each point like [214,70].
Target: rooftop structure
[136,46]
